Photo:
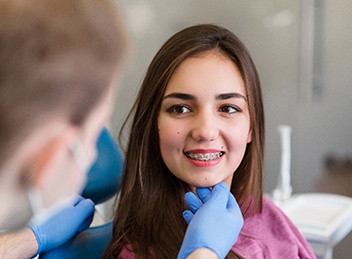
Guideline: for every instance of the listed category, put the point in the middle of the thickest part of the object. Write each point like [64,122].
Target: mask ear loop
[78,154]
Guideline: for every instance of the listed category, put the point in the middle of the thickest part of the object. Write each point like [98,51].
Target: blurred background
[302,50]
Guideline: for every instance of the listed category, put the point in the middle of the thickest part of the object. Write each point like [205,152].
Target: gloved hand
[214,221]
[65,224]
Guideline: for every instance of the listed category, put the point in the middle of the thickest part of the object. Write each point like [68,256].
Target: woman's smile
[204,156]
[204,159]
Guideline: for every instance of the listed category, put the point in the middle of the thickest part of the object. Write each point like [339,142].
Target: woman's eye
[229,109]
[178,109]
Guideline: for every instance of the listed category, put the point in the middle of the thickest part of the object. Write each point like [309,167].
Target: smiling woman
[198,121]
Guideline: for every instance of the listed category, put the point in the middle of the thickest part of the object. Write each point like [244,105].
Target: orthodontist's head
[59,64]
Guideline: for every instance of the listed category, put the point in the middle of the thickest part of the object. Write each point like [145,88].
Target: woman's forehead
[210,71]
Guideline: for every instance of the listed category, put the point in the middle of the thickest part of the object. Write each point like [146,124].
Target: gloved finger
[86,223]
[188,216]
[192,201]
[85,208]
[235,210]
[203,194]
[221,185]
[232,204]
[76,199]
[219,195]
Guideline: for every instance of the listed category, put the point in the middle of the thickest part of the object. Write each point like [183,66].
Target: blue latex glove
[214,221]
[65,224]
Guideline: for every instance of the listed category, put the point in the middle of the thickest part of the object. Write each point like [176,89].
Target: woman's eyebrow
[230,95]
[182,96]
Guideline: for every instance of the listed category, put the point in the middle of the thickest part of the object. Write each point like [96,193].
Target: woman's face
[204,122]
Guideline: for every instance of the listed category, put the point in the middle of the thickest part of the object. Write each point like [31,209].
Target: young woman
[198,121]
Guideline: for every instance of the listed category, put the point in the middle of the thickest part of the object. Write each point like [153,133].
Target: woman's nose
[205,127]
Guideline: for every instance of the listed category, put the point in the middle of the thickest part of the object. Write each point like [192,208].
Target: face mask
[35,200]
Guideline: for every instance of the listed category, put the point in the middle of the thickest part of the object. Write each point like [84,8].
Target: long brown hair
[148,217]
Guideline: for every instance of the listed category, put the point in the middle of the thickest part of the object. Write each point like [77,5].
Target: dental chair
[103,183]
[105,174]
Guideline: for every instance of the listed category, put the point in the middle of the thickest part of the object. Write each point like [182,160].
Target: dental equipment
[283,190]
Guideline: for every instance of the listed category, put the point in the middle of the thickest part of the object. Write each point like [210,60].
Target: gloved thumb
[85,209]
[219,196]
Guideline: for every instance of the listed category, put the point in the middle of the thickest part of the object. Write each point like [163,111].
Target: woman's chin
[205,184]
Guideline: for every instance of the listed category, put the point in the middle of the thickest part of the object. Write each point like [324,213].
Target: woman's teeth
[204,157]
